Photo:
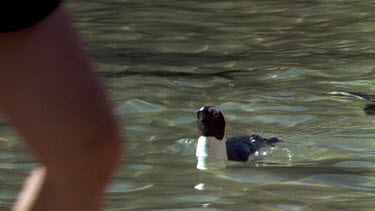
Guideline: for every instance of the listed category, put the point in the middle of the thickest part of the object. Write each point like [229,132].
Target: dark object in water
[358,95]
[369,109]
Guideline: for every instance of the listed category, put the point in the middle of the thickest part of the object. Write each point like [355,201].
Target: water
[267,65]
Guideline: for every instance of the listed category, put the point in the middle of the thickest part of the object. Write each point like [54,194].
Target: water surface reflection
[268,65]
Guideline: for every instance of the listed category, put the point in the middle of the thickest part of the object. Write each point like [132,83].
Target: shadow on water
[167,74]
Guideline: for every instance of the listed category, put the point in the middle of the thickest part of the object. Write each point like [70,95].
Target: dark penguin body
[211,123]
[240,148]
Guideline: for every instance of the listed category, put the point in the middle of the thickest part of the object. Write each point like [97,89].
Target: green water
[267,65]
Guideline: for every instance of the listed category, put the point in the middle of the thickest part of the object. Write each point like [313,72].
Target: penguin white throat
[210,150]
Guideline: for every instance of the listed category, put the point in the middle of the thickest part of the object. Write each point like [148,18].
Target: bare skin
[50,94]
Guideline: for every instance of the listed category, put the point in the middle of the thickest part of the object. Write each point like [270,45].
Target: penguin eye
[216,114]
[214,111]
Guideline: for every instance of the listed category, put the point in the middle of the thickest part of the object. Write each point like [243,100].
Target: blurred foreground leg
[49,92]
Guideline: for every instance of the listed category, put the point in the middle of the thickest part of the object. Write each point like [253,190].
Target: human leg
[51,95]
